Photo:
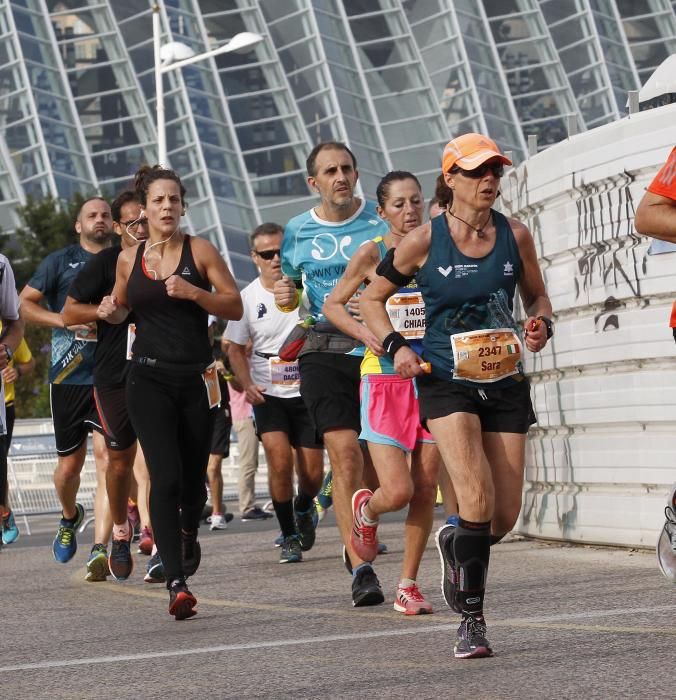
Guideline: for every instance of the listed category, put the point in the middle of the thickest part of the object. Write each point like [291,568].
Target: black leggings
[5,442]
[171,416]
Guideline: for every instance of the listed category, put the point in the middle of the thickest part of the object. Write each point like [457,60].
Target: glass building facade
[395,79]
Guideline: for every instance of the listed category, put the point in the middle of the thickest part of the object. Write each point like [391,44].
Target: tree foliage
[47,226]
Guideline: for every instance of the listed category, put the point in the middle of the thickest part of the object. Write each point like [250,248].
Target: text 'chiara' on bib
[486,355]
[407,314]
[284,373]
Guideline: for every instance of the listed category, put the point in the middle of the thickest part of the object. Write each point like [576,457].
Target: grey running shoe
[154,570]
[666,543]
[255,513]
[471,642]
[120,562]
[291,550]
[366,588]
[306,524]
[449,572]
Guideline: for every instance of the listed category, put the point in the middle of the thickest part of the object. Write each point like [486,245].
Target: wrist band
[393,342]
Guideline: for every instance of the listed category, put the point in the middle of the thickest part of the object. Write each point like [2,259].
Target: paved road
[565,622]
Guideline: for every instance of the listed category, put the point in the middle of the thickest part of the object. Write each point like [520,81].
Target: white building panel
[602,457]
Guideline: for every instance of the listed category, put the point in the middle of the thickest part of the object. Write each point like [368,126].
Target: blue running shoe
[291,550]
[154,570]
[97,564]
[10,532]
[65,543]
[279,540]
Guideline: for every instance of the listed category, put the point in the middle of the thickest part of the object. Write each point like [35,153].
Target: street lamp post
[176,55]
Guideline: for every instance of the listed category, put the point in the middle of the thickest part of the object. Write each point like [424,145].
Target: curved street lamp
[175,55]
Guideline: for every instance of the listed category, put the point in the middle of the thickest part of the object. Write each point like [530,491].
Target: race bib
[210,376]
[407,314]
[284,373]
[486,355]
[88,335]
[131,337]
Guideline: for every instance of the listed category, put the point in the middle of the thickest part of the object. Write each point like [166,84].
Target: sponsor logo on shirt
[185,272]
[261,310]
[509,268]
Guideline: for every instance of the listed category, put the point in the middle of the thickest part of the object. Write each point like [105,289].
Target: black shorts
[500,410]
[74,415]
[220,438]
[287,416]
[111,404]
[329,385]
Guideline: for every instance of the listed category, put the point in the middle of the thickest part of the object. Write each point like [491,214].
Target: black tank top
[167,329]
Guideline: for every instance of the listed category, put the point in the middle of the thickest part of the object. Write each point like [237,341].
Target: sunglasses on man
[498,170]
[268,254]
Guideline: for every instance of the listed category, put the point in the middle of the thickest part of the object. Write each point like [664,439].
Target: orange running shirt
[665,181]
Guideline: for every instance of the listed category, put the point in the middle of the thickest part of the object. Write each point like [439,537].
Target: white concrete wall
[603,455]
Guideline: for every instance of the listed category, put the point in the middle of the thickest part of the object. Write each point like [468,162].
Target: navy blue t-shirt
[72,359]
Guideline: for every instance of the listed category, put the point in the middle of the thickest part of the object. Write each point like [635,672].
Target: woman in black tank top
[173,282]
[468,262]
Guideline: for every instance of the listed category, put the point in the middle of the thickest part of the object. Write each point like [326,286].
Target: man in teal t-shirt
[316,248]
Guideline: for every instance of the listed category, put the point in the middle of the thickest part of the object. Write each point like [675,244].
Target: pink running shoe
[364,537]
[146,541]
[410,601]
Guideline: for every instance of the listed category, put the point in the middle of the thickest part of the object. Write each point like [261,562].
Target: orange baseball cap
[469,151]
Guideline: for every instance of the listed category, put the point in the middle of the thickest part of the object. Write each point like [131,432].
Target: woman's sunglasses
[498,170]
[268,254]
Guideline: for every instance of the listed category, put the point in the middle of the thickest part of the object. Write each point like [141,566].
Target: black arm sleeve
[387,270]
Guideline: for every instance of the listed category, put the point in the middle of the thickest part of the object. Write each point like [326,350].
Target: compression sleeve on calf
[387,270]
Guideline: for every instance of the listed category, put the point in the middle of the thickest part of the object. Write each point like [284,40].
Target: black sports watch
[549,324]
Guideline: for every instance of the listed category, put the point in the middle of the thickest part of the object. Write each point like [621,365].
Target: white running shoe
[218,523]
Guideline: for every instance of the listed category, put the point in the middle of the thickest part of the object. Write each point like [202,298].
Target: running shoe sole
[478,653]
[407,611]
[372,597]
[97,569]
[183,606]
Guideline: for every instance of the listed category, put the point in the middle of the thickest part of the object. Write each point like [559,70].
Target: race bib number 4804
[486,355]
[407,314]
[284,373]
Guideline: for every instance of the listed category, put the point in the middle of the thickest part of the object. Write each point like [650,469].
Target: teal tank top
[464,294]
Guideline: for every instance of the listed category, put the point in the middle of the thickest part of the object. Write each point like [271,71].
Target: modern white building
[392,78]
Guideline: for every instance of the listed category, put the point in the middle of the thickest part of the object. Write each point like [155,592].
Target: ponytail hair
[147,174]
[443,193]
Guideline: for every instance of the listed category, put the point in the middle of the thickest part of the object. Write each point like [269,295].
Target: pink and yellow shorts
[390,414]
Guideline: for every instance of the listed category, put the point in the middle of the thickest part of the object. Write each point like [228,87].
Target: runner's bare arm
[242,371]
[225,301]
[531,288]
[360,268]
[656,217]
[115,307]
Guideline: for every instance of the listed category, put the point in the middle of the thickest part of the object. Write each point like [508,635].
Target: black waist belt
[174,366]
[265,355]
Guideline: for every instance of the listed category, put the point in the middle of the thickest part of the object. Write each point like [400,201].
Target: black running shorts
[220,438]
[288,416]
[111,404]
[329,385]
[500,410]
[74,415]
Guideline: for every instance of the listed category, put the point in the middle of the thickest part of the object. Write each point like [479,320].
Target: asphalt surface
[564,621]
